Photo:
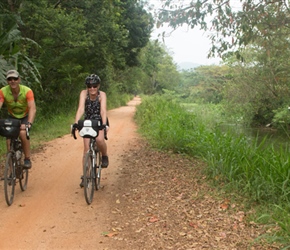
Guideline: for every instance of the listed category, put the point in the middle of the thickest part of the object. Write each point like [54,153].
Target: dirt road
[150,200]
[52,212]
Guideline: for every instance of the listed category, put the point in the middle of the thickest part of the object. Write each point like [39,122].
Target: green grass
[252,168]
[46,129]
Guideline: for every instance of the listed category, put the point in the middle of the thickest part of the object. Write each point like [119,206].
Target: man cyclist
[93,104]
[20,103]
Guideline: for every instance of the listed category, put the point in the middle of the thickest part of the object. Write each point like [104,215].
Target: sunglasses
[92,86]
[12,78]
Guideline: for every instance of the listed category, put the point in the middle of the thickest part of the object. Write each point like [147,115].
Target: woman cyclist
[93,105]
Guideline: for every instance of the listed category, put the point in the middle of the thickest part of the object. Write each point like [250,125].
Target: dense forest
[55,44]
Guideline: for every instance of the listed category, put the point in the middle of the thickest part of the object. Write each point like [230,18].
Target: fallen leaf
[223,235]
[224,206]
[153,219]
[194,225]
[109,234]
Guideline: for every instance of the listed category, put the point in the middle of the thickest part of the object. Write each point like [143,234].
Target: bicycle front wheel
[89,183]
[9,179]
[23,179]
[98,170]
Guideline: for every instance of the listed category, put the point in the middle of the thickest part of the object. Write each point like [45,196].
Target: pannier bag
[10,128]
[89,128]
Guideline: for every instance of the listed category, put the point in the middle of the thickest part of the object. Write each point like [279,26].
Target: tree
[139,24]
[205,84]
[167,77]
[13,52]
[234,24]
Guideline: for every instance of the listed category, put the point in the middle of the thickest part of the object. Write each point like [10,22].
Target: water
[273,136]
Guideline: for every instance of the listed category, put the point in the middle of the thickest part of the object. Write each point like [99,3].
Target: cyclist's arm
[103,102]
[1,98]
[31,111]
[81,107]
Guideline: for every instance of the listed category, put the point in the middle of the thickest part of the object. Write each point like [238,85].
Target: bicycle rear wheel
[9,179]
[89,184]
[98,170]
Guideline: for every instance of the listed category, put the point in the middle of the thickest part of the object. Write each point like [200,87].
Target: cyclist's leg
[25,143]
[8,144]
[101,142]
[86,142]
[103,148]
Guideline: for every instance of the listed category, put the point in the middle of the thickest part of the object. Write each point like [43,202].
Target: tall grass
[252,168]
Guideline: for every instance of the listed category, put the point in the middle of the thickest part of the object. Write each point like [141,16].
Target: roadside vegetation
[257,174]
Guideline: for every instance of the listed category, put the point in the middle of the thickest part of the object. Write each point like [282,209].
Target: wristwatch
[29,123]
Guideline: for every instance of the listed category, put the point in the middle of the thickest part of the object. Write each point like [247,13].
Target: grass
[46,129]
[251,168]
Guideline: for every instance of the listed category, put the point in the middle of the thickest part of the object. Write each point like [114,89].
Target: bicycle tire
[23,174]
[98,170]
[89,184]
[23,179]
[9,179]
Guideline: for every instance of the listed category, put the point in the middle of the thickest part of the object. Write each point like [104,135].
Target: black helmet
[92,79]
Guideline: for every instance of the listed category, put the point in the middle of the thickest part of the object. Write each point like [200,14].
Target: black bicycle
[14,168]
[92,164]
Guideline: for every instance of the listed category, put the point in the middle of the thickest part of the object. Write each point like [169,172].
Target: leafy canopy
[232,24]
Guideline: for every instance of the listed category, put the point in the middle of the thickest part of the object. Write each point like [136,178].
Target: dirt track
[150,200]
[52,212]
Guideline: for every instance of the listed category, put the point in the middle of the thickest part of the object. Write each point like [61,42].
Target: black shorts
[23,120]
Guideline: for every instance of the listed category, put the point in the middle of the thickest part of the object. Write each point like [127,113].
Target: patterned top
[93,108]
[17,108]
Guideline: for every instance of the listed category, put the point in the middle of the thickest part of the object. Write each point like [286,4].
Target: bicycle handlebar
[73,132]
[27,132]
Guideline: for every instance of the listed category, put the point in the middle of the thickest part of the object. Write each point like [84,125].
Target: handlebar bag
[10,128]
[89,128]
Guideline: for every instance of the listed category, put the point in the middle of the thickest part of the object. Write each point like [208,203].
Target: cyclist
[20,103]
[93,105]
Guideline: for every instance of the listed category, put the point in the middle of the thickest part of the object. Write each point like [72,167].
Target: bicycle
[92,164]
[14,168]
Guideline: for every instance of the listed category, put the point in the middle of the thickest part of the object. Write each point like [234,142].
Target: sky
[185,44]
